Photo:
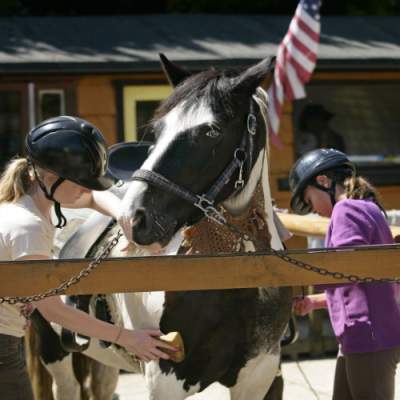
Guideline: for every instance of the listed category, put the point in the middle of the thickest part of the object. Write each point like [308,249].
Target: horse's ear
[256,75]
[266,82]
[174,73]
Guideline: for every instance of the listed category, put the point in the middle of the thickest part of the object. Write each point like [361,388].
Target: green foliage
[9,7]
[371,7]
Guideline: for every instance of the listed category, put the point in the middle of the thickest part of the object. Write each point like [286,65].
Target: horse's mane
[212,86]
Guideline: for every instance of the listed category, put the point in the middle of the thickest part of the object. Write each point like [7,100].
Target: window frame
[128,94]
[23,85]
[41,92]
[380,174]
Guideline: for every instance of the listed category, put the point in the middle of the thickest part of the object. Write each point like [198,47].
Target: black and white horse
[231,336]
[211,151]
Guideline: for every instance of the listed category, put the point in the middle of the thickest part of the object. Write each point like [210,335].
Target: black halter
[205,202]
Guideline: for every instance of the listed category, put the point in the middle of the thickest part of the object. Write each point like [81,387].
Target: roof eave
[333,65]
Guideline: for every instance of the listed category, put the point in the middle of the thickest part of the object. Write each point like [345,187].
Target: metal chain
[70,282]
[218,217]
[324,272]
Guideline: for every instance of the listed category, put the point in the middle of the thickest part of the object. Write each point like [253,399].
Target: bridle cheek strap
[205,202]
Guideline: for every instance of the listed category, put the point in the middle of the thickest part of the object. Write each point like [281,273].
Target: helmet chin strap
[61,220]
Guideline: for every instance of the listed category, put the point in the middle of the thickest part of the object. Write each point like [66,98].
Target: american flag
[295,61]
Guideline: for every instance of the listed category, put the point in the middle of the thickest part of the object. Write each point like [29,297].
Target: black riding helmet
[308,167]
[73,149]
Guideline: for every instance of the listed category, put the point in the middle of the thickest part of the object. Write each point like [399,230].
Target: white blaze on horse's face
[178,120]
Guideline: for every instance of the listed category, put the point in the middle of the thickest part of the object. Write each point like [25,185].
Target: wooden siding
[96,101]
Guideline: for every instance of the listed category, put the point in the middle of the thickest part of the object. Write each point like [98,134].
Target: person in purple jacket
[365,316]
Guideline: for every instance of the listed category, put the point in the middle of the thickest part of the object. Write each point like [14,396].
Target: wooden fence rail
[195,272]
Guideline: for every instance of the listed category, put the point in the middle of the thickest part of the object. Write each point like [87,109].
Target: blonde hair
[15,181]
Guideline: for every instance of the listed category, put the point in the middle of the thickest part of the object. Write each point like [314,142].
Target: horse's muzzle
[150,227]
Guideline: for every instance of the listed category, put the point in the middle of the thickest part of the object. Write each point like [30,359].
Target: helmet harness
[61,220]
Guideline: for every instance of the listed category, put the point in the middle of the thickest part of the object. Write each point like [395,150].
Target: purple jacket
[365,316]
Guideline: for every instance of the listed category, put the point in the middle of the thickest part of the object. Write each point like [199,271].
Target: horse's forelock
[211,87]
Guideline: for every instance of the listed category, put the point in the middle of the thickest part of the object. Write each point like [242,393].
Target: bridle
[206,202]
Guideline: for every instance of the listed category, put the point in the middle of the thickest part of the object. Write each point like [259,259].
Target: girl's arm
[104,202]
[144,343]
[304,305]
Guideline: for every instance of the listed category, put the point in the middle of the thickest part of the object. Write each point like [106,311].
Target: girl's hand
[303,306]
[126,223]
[145,344]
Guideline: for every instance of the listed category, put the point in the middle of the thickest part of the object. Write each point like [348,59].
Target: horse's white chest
[145,309]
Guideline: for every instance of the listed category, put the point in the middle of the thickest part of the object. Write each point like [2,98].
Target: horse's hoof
[174,339]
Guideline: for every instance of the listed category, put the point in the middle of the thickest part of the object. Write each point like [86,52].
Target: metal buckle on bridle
[207,206]
[252,124]
[240,155]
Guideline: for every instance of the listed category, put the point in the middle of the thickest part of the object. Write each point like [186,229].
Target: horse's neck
[208,237]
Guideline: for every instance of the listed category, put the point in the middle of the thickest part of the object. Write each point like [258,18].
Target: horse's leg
[65,385]
[256,377]
[165,387]
[104,381]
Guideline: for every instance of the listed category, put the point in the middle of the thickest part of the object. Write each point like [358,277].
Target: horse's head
[210,141]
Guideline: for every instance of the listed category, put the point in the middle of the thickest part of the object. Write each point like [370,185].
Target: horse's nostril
[149,227]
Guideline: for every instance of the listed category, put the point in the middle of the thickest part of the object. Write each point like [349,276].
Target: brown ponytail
[357,187]
[15,181]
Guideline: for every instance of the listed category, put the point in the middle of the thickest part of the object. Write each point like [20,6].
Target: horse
[206,178]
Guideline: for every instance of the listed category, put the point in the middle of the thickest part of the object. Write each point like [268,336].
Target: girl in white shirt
[66,165]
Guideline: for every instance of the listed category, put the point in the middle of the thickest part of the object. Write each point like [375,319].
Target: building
[106,70]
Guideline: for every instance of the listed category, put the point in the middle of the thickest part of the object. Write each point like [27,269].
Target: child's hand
[303,305]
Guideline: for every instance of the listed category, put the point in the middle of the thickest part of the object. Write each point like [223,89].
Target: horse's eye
[213,133]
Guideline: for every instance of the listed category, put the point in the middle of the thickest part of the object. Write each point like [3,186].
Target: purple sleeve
[350,226]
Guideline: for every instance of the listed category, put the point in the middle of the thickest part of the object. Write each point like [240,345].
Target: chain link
[324,272]
[309,267]
[70,282]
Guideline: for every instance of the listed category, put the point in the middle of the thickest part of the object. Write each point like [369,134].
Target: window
[10,125]
[139,104]
[362,119]
[366,118]
[51,103]
[144,113]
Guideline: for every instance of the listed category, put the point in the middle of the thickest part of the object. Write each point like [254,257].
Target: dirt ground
[304,380]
